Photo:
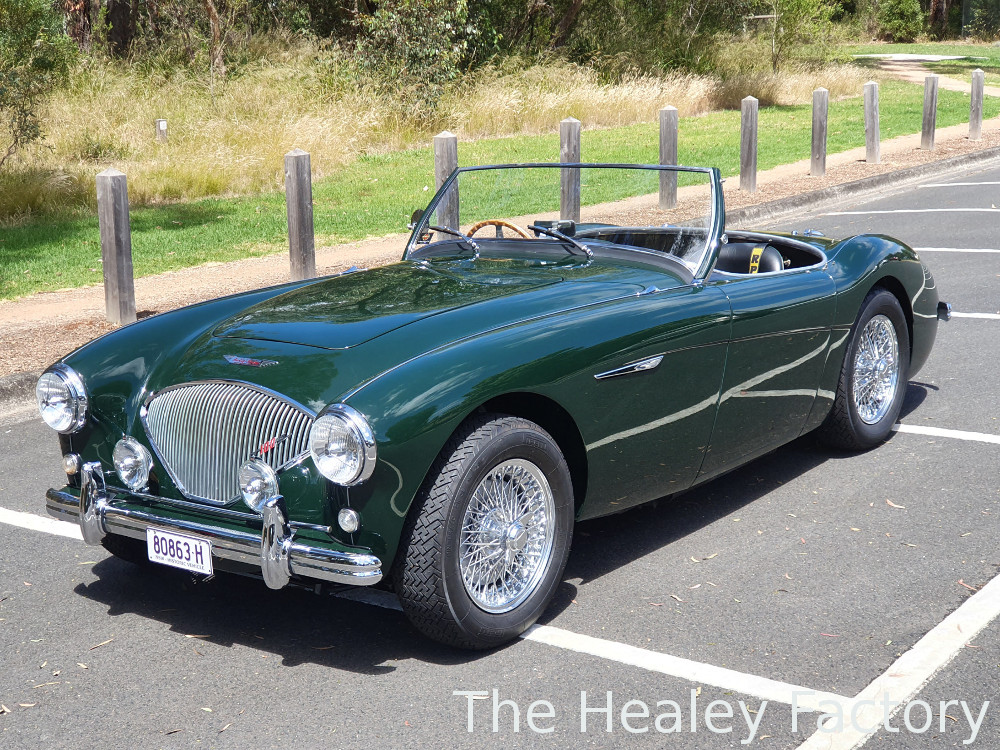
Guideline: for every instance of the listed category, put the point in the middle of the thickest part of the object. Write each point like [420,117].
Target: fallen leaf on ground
[81,665]
[696,586]
[854,529]
[674,596]
[830,635]
[27,705]
[104,643]
[656,604]
[714,554]
[225,728]
[788,577]
[967,533]
[891,504]
[4,709]
[173,731]
[197,636]
[963,583]
[206,708]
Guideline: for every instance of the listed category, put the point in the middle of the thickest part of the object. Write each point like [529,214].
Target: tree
[34,59]
[795,22]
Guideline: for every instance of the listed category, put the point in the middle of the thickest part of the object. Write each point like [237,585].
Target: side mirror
[565,226]
[415,218]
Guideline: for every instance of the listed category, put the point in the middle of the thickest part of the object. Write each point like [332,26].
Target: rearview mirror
[415,218]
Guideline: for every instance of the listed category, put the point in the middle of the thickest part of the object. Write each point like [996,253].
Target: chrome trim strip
[337,566]
[650,363]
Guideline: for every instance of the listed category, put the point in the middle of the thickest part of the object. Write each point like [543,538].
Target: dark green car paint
[420,345]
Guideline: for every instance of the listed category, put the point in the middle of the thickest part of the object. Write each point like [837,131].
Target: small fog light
[132,463]
[258,483]
[71,463]
[349,520]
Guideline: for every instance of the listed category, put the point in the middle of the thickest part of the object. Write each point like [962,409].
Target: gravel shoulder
[37,330]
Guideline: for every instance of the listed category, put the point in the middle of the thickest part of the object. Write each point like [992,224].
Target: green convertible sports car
[558,342]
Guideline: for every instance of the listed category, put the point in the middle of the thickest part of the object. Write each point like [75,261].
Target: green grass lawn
[962,69]
[929,48]
[375,195]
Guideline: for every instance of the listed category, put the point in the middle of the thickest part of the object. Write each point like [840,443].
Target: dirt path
[37,330]
[914,71]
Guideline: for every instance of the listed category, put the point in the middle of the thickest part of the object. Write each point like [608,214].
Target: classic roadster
[558,342]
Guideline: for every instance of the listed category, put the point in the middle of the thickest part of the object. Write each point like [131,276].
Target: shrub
[34,60]
[900,20]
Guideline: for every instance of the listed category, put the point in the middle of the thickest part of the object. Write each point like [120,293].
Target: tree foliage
[34,59]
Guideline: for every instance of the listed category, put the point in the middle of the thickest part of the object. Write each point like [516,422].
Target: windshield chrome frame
[716,223]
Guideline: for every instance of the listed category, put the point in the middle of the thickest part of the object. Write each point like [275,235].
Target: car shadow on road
[295,625]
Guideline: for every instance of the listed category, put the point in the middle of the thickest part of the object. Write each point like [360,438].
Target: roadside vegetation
[363,85]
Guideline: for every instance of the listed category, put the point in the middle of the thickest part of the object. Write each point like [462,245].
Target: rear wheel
[485,548]
[873,377]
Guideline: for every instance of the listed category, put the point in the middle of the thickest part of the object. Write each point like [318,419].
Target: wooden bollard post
[669,124]
[298,203]
[873,136]
[116,247]
[161,131]
[748,145]
[446,162]
[976,105]
[821,109]
[569,152]
[930,113]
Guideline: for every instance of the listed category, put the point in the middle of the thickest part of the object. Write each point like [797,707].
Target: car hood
[350,309]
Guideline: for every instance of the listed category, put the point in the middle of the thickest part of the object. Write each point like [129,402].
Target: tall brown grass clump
[230,136]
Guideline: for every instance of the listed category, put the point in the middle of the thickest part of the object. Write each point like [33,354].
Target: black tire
[428,577]
[844,427]
[127,549]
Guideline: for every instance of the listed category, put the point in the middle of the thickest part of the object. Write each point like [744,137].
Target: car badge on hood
[249,361]
[269,446]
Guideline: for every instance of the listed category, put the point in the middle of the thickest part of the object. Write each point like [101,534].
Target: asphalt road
[807,567]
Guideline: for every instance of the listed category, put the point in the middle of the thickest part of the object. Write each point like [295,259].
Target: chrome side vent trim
[201,432]
[647,364]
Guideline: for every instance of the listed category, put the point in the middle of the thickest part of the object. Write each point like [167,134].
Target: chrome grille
[202,433]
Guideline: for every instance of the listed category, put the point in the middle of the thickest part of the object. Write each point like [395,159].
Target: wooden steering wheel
[497,223]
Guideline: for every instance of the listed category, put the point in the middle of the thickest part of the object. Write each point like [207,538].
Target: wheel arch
[895,287]
[555,420]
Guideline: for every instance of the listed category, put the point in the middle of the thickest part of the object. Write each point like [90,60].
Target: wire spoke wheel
[506,536]
[876,370]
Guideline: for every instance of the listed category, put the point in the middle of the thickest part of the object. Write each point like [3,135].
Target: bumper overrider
[100,511]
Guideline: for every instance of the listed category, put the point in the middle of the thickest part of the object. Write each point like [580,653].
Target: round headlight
[132,463]
[62,399]
[258,483]
[342,445]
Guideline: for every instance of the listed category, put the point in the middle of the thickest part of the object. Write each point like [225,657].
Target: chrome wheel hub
[876,370]
[507,534]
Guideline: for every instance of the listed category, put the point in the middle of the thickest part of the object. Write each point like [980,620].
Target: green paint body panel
[748,364]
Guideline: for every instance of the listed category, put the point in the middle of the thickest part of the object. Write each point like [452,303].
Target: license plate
[179,551]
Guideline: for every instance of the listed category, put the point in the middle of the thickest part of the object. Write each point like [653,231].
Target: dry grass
[230,138]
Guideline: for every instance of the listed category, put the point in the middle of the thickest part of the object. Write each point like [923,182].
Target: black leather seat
[735,257]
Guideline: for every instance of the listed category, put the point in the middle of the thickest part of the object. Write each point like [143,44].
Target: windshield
[585,209]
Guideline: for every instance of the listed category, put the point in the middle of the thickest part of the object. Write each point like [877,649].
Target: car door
[647,407]
[780,336]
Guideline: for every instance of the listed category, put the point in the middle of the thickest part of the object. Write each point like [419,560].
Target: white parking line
[980,316]
[917,211]
[40,523]
[910,672]
[956,250]
[979,437]
[955,184]
[685,669]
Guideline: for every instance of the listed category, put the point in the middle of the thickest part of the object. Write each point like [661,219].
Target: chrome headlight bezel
[137,451]
[342,419]
[76,398]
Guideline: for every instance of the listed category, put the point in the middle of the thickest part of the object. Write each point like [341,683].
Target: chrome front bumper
[274,550]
